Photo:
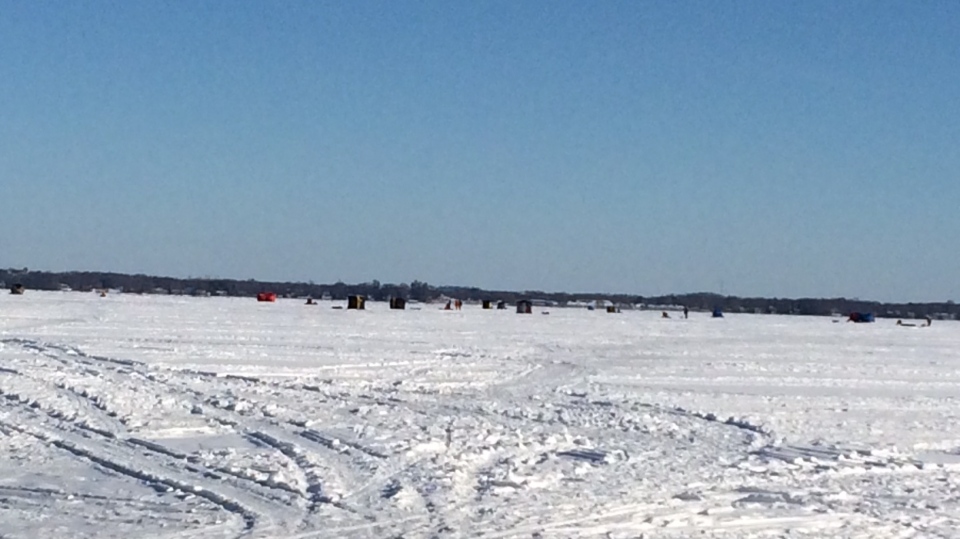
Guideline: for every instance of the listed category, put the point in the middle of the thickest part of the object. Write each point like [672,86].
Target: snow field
[221,417]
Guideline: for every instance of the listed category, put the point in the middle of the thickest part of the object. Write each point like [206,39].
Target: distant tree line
[423,292]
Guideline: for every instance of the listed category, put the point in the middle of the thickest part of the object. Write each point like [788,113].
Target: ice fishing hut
[356,302]
[398,304]
[524,307]
[717,312]
[501,305]
[17,289]
[861,318]
[487,304]
[613,309]
[269,297]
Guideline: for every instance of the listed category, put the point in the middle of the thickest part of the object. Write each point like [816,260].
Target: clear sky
[781,148]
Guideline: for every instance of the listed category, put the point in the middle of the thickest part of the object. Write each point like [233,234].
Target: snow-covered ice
[154,416]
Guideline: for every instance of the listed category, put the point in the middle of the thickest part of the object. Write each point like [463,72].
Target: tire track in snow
[714,515]
[62,383]
[439,512]
[338,444]
[244,425]
[410,472]
[249,517]
[82,399]
[251,425]
[394,465]
[259,520]
[314,491]
[78,449]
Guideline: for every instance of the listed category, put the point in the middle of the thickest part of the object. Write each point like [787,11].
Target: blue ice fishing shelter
[861,317]
[717,312]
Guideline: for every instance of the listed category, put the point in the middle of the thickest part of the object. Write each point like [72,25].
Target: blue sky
[790,148]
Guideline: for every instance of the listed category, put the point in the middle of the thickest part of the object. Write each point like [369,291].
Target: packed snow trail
[215,417]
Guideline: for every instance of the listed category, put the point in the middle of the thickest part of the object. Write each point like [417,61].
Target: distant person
[686,312]
[929,320]
[664,314]
[447,306]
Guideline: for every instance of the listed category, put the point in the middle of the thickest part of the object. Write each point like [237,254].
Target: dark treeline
[420,291]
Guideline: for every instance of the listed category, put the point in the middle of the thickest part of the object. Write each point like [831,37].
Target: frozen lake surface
[152,416]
